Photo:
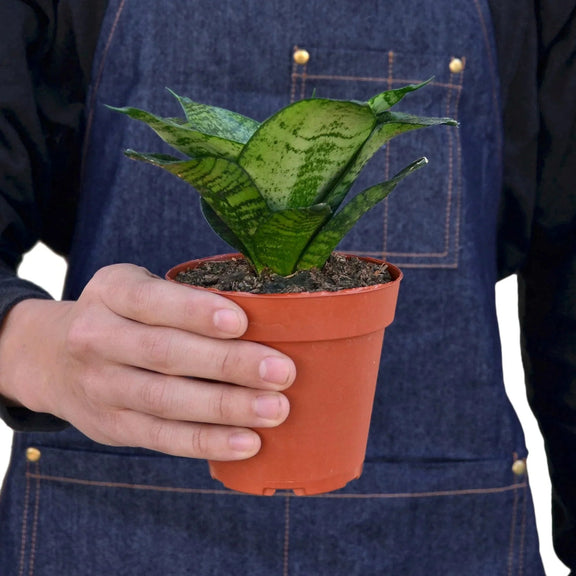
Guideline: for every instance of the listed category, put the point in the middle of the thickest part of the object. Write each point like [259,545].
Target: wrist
[27,341]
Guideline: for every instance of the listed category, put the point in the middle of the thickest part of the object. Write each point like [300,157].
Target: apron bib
[438,494]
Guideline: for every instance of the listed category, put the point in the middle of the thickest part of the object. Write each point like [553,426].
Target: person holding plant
[123,388]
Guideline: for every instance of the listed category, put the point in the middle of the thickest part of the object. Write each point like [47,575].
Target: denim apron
[444,489]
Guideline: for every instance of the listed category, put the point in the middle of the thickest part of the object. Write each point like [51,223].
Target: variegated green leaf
[297,154]
[330,235]
[404,121]
[281,238]
[385,100]
[217,121]
[229,191]
[184,138]
[224,185]
[221,228]
[155,159]
[390,125]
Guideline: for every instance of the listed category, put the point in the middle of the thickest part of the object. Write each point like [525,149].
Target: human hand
[139,361]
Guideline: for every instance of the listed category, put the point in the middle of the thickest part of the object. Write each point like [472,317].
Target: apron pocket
[430,200]
[94,513]
[421,518]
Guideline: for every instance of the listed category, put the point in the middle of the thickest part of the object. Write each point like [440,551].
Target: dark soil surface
[236,275]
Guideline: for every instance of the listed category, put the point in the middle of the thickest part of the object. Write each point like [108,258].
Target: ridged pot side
[335,340]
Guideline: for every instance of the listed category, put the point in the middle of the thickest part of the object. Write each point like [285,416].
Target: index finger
[135,293]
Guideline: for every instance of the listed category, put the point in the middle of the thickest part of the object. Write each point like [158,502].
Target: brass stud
[456,65]
[301,56]
[33,454]
[519,467]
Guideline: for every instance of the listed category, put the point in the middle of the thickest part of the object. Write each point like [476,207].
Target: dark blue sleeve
[537,229]
[547,279]
[45,68]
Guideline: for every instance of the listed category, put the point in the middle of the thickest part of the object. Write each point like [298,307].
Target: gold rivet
[33,454]
[456,65]
[519,467]
[301,56]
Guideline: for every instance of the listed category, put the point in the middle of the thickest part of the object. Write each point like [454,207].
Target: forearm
[25,348]
[21,382]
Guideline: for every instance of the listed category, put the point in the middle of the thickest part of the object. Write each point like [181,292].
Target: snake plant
[274,190]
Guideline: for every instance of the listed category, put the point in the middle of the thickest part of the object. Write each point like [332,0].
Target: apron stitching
[390,68]
[450,176]
[452,266]
[492,69]
[414,254]
[387,158]
[421,254]
[151,487]
[24,531]
[377,79]
[303,76]
[91,105]
[294,77]
[286,566]
[512,534]
[523,531]
[459,171]
[34,534]
[437,494]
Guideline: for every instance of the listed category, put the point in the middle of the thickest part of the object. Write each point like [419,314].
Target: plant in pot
[276,192]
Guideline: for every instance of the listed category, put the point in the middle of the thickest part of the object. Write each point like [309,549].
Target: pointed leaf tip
[215,121]
[385,100]
[320,248]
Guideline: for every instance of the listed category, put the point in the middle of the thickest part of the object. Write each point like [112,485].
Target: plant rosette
[275,191]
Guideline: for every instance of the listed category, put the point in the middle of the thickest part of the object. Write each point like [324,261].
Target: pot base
[307,488]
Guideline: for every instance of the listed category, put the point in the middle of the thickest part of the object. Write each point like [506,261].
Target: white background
[43,267]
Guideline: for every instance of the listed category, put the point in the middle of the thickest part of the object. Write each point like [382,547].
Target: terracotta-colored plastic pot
[335,340]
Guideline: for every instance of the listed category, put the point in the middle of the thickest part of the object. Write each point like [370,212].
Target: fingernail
[245,442]
[270,406]
[276,370]
[229,321]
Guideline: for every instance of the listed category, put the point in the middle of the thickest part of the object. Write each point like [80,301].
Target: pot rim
[397,276]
